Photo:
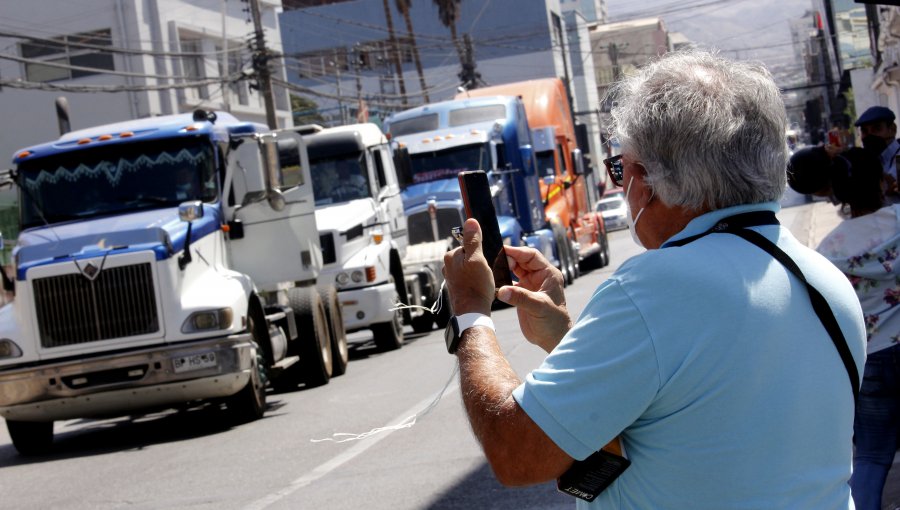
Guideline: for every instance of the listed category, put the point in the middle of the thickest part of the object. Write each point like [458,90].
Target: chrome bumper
[120,383]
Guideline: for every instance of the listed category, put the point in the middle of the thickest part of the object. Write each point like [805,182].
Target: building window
[77,50]
[193,66]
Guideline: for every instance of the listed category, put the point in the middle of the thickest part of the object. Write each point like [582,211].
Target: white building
[123,59]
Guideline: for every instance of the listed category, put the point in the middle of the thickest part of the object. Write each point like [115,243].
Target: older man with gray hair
[725,359]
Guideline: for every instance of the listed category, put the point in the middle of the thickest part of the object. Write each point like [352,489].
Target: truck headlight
[357,276]
[208,320]
[342,279]
[9,349]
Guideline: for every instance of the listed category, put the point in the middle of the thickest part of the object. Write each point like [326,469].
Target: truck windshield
[116,178]
[340,178]
[435,165]
[427,122]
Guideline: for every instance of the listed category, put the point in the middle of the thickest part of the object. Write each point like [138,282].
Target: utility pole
[261,66]
[614,60]
[225,56]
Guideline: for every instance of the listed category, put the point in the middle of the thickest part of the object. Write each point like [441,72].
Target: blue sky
[757,29]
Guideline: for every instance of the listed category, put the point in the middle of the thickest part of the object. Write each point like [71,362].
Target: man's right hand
[538,297]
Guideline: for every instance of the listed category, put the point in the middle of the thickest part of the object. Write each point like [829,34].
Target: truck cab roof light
[23,154]
[83,141]
[126,134]
[103,138]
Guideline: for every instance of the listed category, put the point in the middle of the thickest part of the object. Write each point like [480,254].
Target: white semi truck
[160,262]
[363,233]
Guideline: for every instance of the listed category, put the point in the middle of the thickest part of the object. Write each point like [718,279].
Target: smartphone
[476,195]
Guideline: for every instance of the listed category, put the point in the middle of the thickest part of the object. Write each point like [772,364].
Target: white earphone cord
[342,437]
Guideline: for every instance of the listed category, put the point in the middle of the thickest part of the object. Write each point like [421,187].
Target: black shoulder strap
[737,225]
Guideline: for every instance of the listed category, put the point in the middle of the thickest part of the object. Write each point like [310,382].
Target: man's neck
[664,221]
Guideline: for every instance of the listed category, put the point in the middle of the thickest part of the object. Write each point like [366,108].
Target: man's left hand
[469,278]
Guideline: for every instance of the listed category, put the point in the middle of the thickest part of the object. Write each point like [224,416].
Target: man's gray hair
[709,131]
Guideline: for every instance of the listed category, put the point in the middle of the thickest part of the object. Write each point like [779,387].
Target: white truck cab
[362,228]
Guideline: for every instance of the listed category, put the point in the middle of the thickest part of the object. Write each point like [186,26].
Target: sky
[742,29]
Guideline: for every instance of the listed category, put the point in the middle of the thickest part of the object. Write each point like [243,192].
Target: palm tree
[449,12]
[404,6]
[395,51]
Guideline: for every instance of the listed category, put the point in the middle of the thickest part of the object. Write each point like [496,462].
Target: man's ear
[893,129]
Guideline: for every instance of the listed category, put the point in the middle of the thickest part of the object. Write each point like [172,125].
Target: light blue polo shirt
[712,364]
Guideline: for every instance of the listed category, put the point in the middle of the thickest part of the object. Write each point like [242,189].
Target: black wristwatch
[460,323]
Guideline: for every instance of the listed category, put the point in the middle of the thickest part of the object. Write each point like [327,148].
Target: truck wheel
[605,261]
[249,404]
[316,361]
[423,323]
[31,437]
[389,335]
[340,353]
[573,260]
[562,251]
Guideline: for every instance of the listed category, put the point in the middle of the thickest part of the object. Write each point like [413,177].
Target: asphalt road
[191,459]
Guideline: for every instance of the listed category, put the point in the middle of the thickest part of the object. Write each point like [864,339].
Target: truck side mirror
[188,211]
[578,161]
[271,159]
[403,165]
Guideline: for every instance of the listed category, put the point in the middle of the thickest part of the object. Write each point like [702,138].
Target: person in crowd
[879,134]
[703,355]
[865,248]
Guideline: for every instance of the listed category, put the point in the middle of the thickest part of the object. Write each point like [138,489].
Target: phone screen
[476,193]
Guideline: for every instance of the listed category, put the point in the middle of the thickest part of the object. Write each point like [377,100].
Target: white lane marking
[357,449]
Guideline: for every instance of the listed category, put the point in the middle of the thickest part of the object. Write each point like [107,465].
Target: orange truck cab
[561,166]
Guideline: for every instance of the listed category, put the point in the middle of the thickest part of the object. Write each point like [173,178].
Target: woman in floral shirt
[865,247]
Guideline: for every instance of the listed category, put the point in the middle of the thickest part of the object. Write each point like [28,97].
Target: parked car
[612,208]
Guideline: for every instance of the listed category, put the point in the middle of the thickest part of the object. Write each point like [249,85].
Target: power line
[57,87]
[100,48]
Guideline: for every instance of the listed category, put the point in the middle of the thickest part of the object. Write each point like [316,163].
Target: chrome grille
[419,225]
[120,302]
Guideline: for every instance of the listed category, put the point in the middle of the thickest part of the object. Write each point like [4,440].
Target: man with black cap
[879,135]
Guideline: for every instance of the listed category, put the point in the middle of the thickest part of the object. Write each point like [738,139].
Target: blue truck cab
[488,133]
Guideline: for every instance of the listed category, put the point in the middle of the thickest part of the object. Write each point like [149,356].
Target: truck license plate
[194,362]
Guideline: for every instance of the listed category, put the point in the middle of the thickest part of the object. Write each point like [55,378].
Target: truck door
[390,204]
[280,241]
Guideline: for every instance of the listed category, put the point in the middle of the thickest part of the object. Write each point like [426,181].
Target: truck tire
[31,437]
[249,404]
[442,318]
[562,252]
[573,260]
[423,323]
[388,336]
[601,258]
[400,284]
[316,360]
[340,353]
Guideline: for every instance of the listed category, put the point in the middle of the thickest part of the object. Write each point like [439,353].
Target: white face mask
[628,219]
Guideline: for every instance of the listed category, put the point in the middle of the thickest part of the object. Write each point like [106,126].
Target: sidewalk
[823,217]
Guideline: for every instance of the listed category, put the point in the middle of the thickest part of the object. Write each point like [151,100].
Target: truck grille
[120,302]
[326,242]
[419,225]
